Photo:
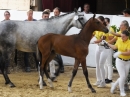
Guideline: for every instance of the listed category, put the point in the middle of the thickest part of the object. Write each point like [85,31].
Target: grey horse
[23,35]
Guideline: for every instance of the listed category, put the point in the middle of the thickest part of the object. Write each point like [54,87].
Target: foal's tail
[38,53]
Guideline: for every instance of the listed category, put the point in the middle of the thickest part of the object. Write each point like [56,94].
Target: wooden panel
[110,6]
[15,4]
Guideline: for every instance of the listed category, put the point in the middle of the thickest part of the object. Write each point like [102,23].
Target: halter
[80,20]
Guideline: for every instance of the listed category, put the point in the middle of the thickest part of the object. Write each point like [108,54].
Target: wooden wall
[110,6]
[15,4]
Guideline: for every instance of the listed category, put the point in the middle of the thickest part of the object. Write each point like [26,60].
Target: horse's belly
[26,48]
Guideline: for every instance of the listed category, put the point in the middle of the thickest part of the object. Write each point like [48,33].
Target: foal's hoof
[69,89]
[53,78]
[44,84]
[12,85]
[93,91]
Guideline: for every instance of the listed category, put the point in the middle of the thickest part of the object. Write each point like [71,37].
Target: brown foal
[74,46]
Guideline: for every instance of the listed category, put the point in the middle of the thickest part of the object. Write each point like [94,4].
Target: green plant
[115,28]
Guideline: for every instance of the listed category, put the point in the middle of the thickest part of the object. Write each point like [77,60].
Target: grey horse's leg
[4,70]
[58,58]
[60,62]
[76,65]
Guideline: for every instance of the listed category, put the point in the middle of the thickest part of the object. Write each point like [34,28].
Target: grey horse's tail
[38,54]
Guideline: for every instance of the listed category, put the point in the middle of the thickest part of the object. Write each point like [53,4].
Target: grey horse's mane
[58,16]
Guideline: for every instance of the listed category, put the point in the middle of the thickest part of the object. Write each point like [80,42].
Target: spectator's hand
[101,43]
[103,37]
[115,55]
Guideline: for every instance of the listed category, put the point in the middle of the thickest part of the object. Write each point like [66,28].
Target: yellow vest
[99,34]
[111,30]
[123,47]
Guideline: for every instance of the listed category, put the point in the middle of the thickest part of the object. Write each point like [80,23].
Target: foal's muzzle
[106,30]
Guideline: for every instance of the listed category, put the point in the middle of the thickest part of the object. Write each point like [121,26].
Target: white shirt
[87,13]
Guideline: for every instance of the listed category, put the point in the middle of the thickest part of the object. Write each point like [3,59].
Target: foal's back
[64,45]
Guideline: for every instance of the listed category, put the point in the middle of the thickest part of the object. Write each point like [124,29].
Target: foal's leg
[76,65]
[44,59]
[47,75]
[44,83]
[52,55]
[85,71]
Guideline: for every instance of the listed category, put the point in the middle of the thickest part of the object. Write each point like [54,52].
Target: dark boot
[27,69]
[62,70]
[48,68]
[58,58]
[108,81]
[0,72]
[8,70]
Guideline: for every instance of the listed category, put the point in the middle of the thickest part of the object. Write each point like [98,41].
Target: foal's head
[97,25]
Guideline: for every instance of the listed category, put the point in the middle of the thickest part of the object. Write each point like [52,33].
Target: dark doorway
[68,5]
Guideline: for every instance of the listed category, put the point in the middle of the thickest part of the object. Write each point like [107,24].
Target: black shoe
[27,69]
[0,72]
[126,87]
[62,70]
[108,81]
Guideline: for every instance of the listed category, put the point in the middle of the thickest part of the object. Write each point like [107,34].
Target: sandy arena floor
[27,85]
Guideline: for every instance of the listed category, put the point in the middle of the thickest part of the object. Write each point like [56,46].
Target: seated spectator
[87,9]
[26,54]
[48,10]
[56,12]
[126,12]
[45,15]
[6,15]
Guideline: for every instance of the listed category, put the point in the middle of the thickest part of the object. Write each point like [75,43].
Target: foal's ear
[94,15]
[75,10]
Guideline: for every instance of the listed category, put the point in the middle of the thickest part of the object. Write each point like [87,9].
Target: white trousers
[108,65]
[123,70]
[101,56]
[52,68]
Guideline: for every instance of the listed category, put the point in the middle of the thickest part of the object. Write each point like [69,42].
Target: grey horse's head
[79,19]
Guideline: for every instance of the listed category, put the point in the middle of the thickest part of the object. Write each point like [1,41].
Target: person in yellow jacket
[122,60]
[101,55]
[123,26]
[108,65]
